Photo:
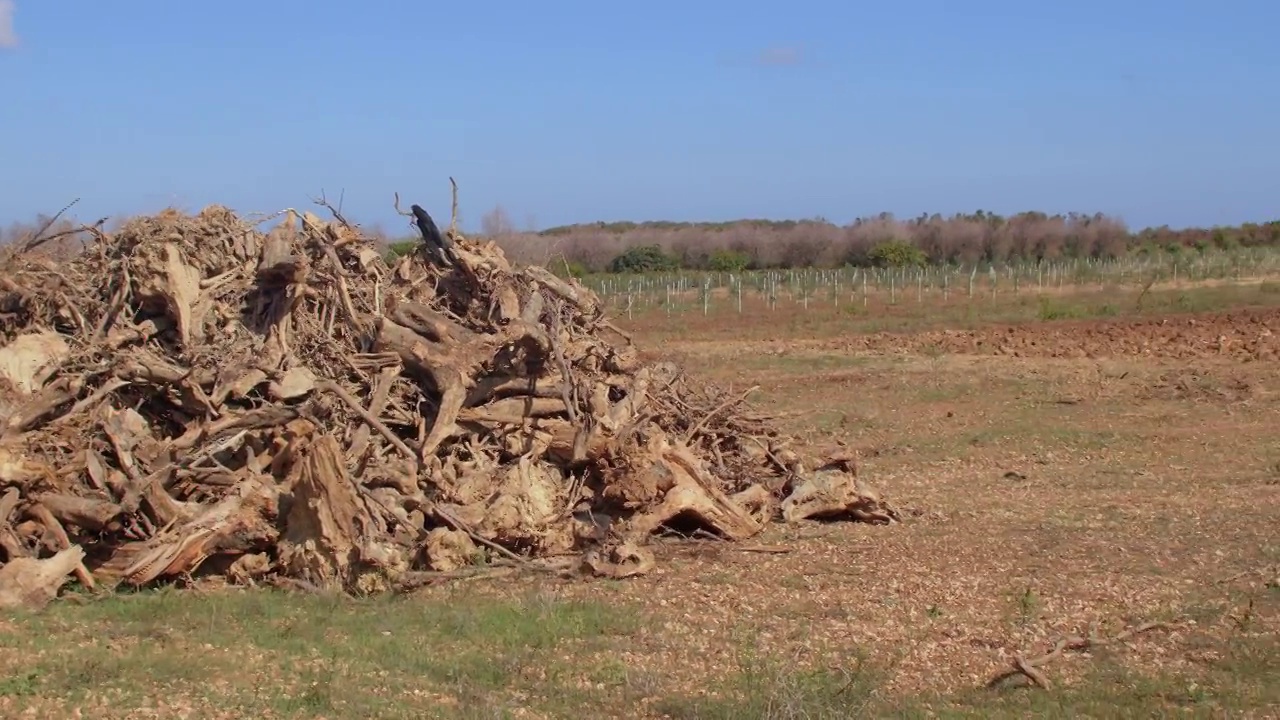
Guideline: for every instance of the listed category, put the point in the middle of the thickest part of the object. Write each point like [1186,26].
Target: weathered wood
[31,584]
[86,513]
[9,542]
[285,407]
[41,514]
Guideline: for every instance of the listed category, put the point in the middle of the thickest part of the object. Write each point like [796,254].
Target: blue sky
[1160,112]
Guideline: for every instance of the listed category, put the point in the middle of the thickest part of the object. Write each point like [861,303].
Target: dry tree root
[194,398]
[1031,668]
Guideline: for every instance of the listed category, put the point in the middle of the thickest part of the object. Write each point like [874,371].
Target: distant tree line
[979,237]
[883,240]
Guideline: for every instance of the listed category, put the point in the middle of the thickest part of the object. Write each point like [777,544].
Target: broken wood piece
[165,281]
[378,401]
[16,468]
[237,383]
[241,522]
[826,494]
[328,538]
[278,265]
[30,584]
[42,405]
[248,568]
[9,542]
[619,561]
[82,512]
[42,515]
[26,360]
[676,479]
[514,410]
[448,550]
[499,387]
[452,521]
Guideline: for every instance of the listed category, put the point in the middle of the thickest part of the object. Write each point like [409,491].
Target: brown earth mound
[191,397]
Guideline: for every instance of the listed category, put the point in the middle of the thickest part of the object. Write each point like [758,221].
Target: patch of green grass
[1240,681]
[1028,606]
[273,655]
[19,685]
[1056,309]
[770,689]
[288,655]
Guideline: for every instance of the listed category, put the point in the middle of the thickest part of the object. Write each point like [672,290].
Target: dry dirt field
[1059,475]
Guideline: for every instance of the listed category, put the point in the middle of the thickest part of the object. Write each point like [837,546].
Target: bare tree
[496,223]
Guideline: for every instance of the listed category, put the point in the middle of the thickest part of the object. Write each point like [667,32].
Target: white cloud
[8,38]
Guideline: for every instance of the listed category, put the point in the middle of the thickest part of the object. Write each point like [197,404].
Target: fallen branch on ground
[1030,668]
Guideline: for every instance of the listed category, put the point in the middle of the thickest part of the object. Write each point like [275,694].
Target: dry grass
[1054,493]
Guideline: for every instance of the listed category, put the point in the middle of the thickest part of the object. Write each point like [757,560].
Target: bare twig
[89,402]
[453,215]
[566,375]
[618,331]
[1146,288]
[1031,667]
[396,205]
[35,241]
[336,212]
[373,422]
[777,461]
[1262,571]
[688,437]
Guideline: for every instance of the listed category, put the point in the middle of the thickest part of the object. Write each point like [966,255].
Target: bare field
[1088,461]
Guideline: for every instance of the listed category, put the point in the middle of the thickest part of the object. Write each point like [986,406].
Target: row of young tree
[979,237]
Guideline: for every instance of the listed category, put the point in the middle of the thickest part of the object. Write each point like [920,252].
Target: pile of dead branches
[193,397]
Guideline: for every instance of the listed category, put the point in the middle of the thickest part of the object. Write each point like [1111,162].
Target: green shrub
[566,269]
[896,253]
[400,249]
[643,259]
[1225,240]
[725,260]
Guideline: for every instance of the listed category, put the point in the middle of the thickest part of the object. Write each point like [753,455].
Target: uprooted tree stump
[190,396]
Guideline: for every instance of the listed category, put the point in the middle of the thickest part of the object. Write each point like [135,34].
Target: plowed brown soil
[1243,335]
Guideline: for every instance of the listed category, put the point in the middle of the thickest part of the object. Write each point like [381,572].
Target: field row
[971,281]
